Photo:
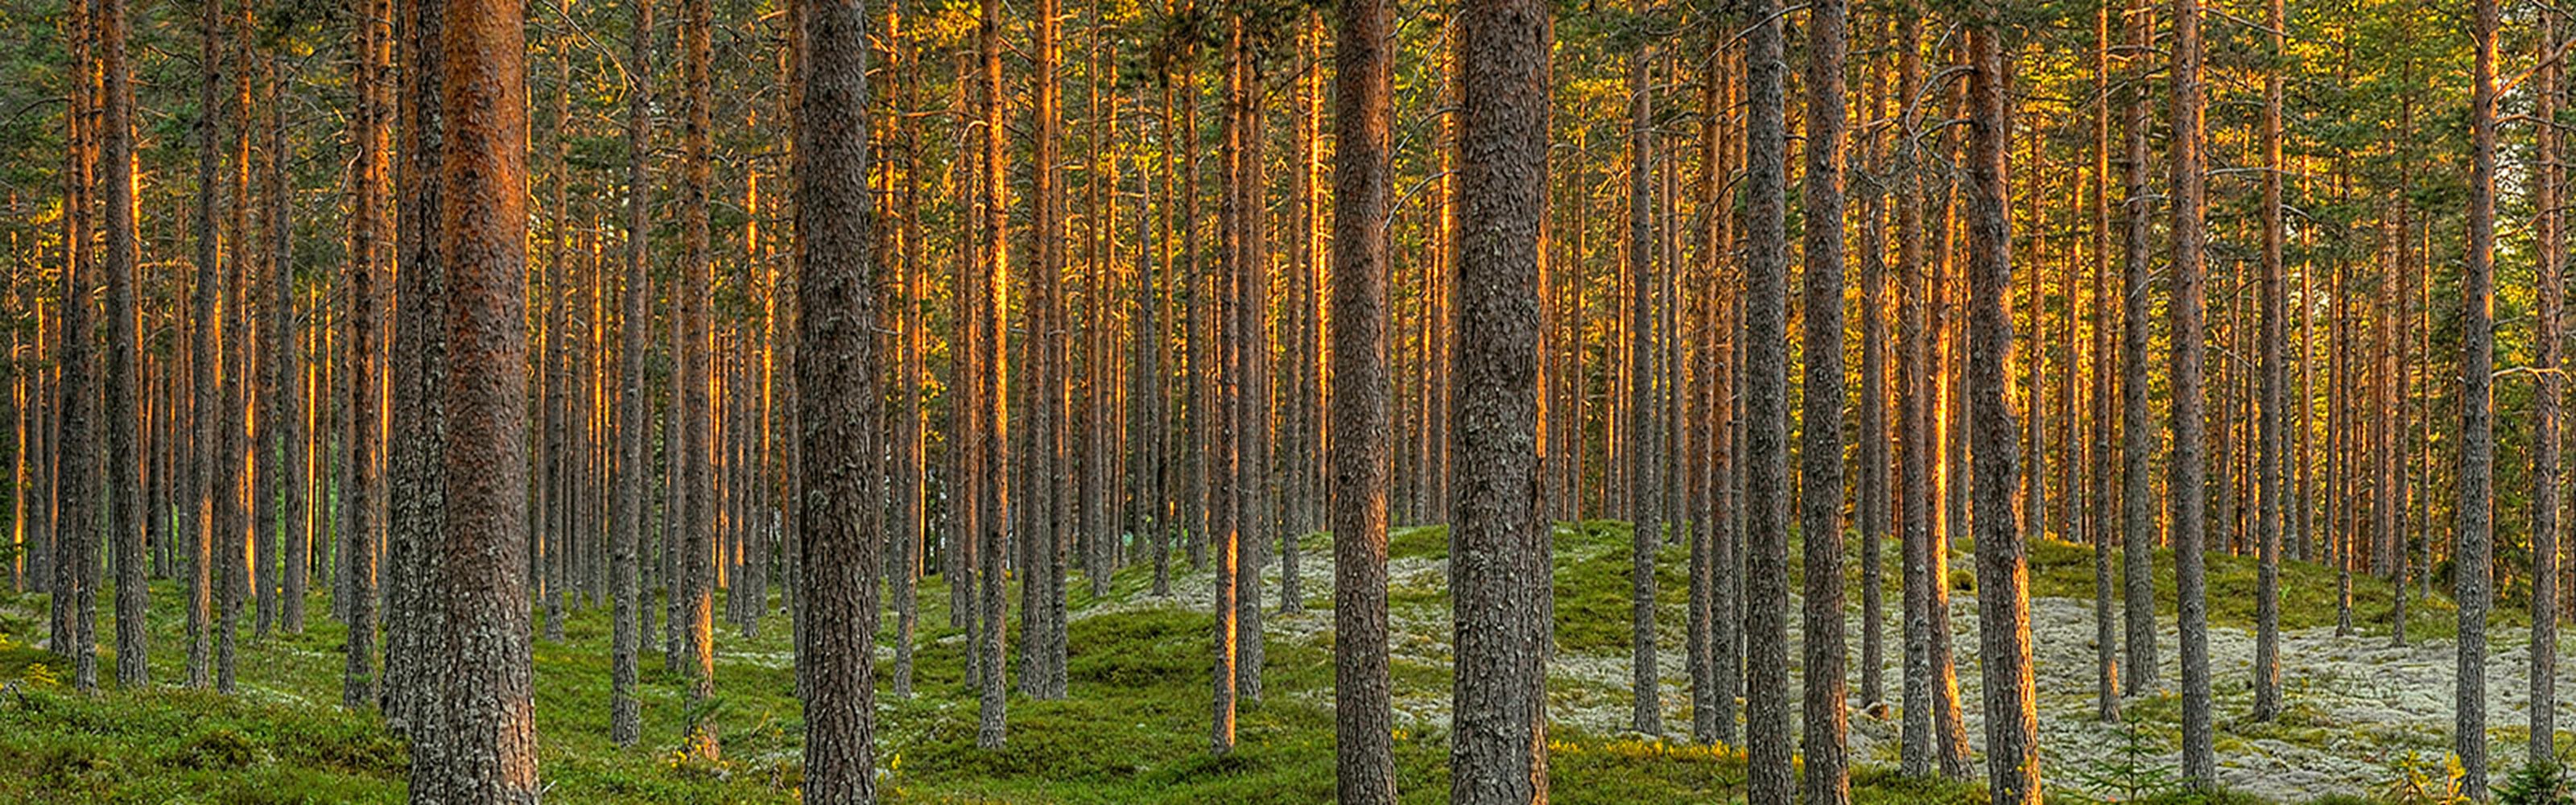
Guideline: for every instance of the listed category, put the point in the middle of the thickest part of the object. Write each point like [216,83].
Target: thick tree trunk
[489,725]
[835,370]
[1820,449]
[125,492]
[1363,713]
[1501,574]
[698,571]
[1766,440]
[2003,569]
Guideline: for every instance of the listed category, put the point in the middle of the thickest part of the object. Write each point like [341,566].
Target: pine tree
[125,511]
[1500,564]
[1363,706]
[2003,570]
[2473,585]
[2190,467]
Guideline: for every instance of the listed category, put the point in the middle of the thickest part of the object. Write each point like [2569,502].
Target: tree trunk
[1254,518]
[2190,470]
[2106,649]
[698,572]
[1871,487]
[2545,432]
[1363,92]
[2473,585]
[835,370]
[1766,446]
[357,546]
[1646,715]
[203,348]
[2268,471]
[125,511]
[1500,564]
[489,728]
[992,456]
[2003,569]
[1820,450]
[2137,439]
[1925,576]
[74,607]
[626,636]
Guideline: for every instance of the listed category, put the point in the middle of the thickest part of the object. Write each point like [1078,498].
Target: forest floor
[2362,716]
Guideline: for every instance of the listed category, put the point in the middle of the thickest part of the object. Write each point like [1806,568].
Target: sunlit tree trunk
[1363,62]
[697,520]
[2003,570]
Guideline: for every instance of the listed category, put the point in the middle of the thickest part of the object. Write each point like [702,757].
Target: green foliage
[2541,782]
[2135,772]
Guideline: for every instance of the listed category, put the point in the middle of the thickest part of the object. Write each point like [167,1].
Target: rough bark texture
[2188,487]
[491,732]
[2003,569]
[74,606]
[204,346]
[2545,429]
[1768,743]
[1923,571]
[1820,451]
[125,507]
[2106,638]
[838,408]
[1647,711]
[1872,447]
[1363,704]
[1254,518]
[698,573]
[626,637]
[2267,462]
[993,454]
[2474,588]
[357,545]
[415,644]
[1221,395]
[2137,440]
[1499,566]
